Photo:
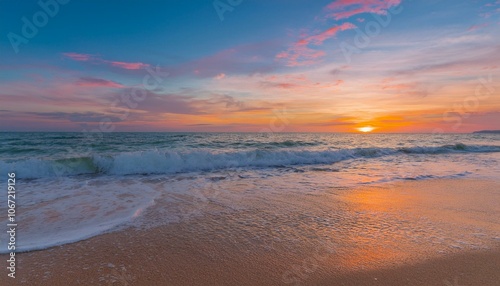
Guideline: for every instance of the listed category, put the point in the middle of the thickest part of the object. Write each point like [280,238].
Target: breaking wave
[170,161]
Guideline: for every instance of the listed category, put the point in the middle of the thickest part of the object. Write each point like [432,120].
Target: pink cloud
[300,54]
[477,27]
[94,59]
[127,66]
[342,9]
[320,38]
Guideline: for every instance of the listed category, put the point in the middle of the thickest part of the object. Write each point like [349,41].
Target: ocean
[72,186]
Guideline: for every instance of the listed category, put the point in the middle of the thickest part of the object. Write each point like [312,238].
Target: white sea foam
[68,210]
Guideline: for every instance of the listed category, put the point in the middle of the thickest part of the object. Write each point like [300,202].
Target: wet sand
[437,232]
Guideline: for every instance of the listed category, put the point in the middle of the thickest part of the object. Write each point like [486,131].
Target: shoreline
[247,248]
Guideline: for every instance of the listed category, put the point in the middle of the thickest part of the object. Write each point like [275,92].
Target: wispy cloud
[241,59]
[76,116]
[220,76]
[186,104]
[97,82]
[78,57]
[477,27]
[127,66]
[327,34]
[303,51]
[342,9]
[97,60]
[300,53]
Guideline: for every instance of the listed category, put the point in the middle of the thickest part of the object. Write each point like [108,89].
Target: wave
[170,161]
[283,144]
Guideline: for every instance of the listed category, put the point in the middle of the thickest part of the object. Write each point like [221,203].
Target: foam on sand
[68,210]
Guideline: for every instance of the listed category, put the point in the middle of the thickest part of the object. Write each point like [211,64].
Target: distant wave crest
[170,161]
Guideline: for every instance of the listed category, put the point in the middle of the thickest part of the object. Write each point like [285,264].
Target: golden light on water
[366,129]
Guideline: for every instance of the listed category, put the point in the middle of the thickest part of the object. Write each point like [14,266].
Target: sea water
[72,186]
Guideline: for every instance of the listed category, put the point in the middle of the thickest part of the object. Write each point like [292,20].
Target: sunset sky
[281,65]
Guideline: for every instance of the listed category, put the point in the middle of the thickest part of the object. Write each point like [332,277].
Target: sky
[250,66]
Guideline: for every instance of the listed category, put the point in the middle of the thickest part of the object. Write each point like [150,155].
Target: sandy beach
[435,232]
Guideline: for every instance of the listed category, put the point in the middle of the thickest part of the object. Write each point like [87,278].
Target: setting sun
[366,129]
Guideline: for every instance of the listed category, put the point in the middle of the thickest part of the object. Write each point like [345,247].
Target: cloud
[300,53]
[127,66]
[191,105]
[342,9]
[414,89]
[338,70]
[339,121]
[329,33]
[242,59]
[75,116]
[78,57]
[98,60]
[224,100]
[283,85]
[490,10]
[220,76]
[453,66]
[97,82]
[296,83]
[477,27]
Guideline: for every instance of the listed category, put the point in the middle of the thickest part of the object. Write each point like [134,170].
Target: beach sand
[434,232]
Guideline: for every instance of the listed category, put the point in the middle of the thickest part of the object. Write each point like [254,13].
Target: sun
[366,129]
